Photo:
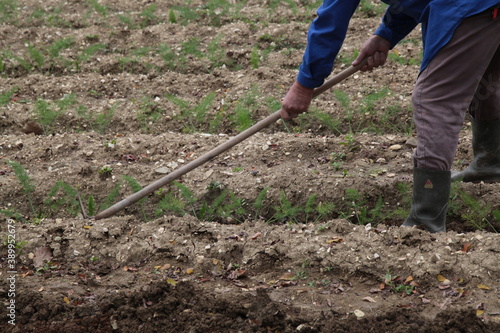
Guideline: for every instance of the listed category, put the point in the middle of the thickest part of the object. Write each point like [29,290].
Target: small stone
[395,147]
[359,313]
[162,170]
[412,142]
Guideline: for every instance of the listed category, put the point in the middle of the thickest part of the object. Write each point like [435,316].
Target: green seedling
[171,16]
[48,266]
[196,116]
[105,171]
[27,186]
[136,187]
[148,16]
[149,112]
[6,97]
[8,11]
[63,196]
[128,21]
[259,201]
[111,197]
[103,120]
[91,206]
[101,9]
[286,211]
[214,186]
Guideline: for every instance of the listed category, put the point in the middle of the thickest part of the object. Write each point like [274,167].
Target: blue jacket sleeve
[324,40]
[395,25]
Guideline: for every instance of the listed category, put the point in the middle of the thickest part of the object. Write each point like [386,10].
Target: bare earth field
[296,229]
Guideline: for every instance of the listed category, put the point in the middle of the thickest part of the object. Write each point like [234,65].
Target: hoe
[218,150]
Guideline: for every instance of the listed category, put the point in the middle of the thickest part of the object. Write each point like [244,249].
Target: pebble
[162,170]
[359,313]
[395,147]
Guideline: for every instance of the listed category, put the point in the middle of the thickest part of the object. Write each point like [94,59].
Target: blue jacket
[439,19]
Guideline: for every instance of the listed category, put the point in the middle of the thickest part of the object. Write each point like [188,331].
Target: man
[460,70]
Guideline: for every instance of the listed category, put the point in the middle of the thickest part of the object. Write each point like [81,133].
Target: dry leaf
[414,284]
[67,300]
[257,235]
[287,276]
[409,279]
[189,271]
[482,286]
[87,227]
[171,282]
[467,247]
[479,313]
[130,269]
[335,240]
[441,278]
[369,299]
[27,273]
[42,254]
[165,267]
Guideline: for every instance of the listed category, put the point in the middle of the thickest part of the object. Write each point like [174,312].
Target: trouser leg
[485,105]
[446,87]
[443,92]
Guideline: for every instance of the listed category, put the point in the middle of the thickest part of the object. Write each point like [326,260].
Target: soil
[137,271]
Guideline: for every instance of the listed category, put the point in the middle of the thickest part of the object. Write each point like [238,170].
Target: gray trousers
[464,75]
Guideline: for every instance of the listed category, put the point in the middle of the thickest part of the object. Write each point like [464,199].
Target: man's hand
[375,49]
[296,101]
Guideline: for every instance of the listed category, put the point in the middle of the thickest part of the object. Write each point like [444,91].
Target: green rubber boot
[431,192]
[486,147]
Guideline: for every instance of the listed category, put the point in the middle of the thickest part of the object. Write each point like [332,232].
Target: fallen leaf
[441,278]
[67,300]
[287,276]
[27,273]
[257,235]
[215,261]
[479,313]
[236,274]
[165,267]
[171,282]
[482,286]
[335,240]
[409,279]
[467,247]
[189,271]
[41,289]
[130,269]
[369,299]
[87,227]
[42,254]
[426,300]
